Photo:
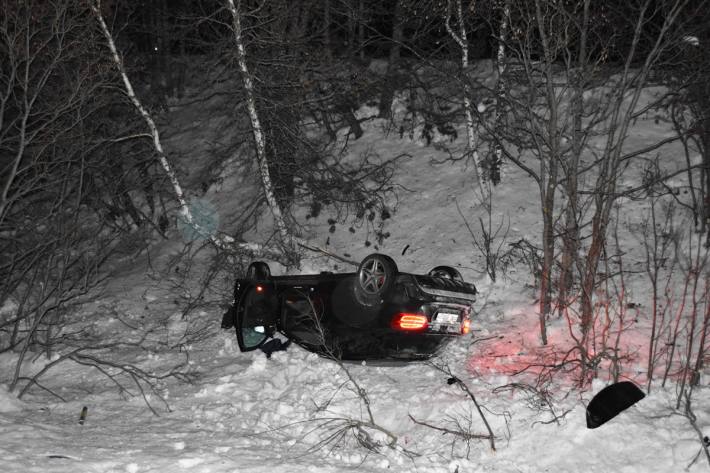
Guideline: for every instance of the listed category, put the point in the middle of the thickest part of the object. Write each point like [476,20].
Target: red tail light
[410,322]
[466,327]
[259,288]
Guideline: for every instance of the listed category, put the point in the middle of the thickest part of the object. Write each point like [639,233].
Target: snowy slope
[290,413]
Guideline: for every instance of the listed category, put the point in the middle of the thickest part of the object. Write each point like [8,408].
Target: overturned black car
[377,313]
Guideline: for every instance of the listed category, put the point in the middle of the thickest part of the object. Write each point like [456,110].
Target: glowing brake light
[259,288]
[410,322]
[466,327]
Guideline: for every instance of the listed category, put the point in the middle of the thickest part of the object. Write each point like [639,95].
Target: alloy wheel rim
[372,276]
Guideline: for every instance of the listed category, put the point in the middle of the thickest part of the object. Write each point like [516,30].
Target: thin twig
[464,387]
[457,433]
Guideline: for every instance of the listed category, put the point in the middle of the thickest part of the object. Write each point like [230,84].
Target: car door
[256,315]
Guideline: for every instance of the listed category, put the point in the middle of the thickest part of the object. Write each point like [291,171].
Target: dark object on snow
[452,380]
[274,345]
[375,313]
[82,416]
[610,401]
[228,317]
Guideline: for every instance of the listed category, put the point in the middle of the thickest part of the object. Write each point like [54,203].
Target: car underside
[376,313]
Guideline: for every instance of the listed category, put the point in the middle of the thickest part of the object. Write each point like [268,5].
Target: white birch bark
[259,138]
[179,194]
[223,241]
[500,65]
[461,39]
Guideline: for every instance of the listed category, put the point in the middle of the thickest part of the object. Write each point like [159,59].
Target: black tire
[374,279]
[258,271]
[349,309]
[446,272]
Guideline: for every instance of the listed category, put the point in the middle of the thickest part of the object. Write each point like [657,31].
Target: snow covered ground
[290,413]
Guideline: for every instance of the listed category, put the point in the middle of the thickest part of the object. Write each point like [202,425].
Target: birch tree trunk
[155,134]
[500,89]
[259,138]
[461,39]
[223,242]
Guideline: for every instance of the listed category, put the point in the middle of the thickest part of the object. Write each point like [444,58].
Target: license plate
[447,318]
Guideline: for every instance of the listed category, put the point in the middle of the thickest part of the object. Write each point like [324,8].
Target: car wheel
[446,272]
[375,279]
[258,271]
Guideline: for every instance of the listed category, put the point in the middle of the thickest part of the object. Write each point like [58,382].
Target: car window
[253,336]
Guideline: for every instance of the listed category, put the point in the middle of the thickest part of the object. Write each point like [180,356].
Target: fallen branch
[342,425]
[539,398]
[91,356]
[457,433]
[464,387]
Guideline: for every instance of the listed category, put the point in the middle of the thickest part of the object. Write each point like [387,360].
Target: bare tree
[62,124]
[259,138]
[577,66]
[621,108]
[532,120]
[558,103]
[657,233]
[52,90]
[688,72]
[147,117]
[495,160]
[460,36]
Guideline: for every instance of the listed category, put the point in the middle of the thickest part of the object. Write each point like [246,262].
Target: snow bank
[8,401]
